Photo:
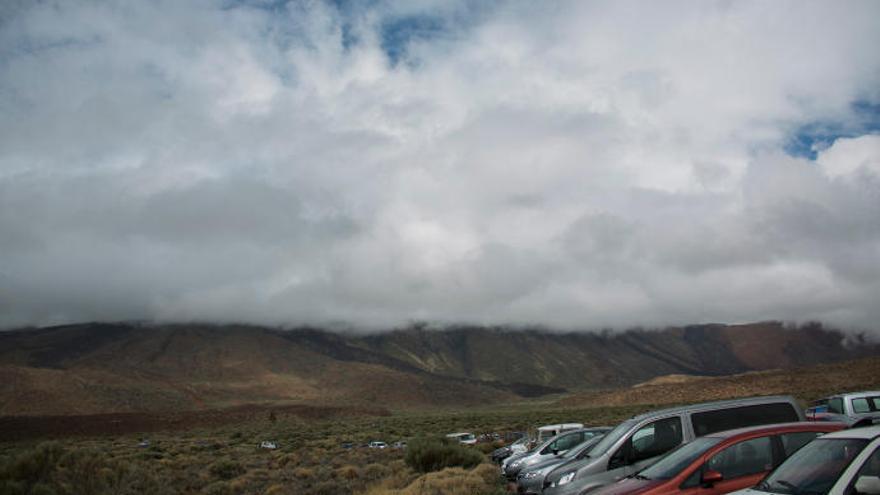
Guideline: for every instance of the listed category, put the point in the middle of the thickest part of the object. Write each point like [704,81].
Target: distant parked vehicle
[518,447]
[640,441]
[856,408]
[550,431]
[268,445]
[842,463]
[463,438]
[721,462]
[530,480]
[378,445]
[399,445]
[552,447]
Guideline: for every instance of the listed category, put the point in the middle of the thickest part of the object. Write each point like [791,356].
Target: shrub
[227,469]
[427,454]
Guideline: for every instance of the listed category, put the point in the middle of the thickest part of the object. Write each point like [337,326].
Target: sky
[569,164]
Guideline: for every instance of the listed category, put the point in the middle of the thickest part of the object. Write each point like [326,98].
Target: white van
[550,431]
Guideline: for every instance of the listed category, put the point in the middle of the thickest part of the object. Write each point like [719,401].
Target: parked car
[518,447]
[531,479]
[552,447]
[463,438]
[842,463]
[638,442]
[375,444]
[721,462]
[855,408]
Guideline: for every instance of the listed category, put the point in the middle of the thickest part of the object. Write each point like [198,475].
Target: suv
[639,441]
[855,409]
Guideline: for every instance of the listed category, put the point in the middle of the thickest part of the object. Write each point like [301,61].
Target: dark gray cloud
[576,165]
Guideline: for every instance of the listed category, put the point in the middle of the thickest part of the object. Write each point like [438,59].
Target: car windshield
[579,451]
[672,463]
[814,468]
[613,436]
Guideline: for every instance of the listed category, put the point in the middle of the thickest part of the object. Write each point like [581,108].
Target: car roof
[868,432]
[826,426]
[853,395]
[721,404]
[560,425]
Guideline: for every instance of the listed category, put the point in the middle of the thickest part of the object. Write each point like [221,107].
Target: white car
[463,438]
[378,445]
[841,463]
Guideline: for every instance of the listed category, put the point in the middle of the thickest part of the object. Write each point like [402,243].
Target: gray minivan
[639,441]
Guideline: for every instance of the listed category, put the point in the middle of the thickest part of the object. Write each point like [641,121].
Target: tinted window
[652,440]
[815,467]
[744,458]
[791,442]
[835,405]
[737,417]
[860,406]
[875,401]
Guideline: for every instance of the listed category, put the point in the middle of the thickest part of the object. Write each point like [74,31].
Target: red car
[722,462]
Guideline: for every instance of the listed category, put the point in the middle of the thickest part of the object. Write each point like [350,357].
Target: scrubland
[312,456]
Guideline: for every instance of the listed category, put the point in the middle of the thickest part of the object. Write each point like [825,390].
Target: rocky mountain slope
[125,367]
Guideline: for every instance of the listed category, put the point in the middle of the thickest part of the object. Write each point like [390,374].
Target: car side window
[835,405]
[744,458]
[793,441]
[651,440]
[875,402]
[860,406]
[569,441]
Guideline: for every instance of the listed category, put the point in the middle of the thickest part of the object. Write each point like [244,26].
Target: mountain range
[135,367]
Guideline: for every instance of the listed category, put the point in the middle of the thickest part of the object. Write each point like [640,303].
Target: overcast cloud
[571,164]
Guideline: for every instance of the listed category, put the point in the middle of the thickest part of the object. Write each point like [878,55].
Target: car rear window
[708,422]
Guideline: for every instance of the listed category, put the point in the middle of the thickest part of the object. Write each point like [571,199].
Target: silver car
[531,480]
[553,447]
[638,442]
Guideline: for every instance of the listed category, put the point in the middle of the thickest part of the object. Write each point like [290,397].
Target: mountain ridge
[135,367]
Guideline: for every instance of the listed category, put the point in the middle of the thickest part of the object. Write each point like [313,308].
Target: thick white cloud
[572,164]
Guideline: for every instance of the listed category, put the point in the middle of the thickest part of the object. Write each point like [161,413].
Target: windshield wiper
[640,476]
[794,489]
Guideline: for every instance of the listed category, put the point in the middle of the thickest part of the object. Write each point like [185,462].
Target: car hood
[629,486]
[545,465]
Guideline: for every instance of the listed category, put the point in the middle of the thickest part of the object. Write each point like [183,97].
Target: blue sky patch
[808,139]
[397,34]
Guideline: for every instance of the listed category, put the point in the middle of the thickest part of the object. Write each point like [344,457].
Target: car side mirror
[868,485]
[555,451]
[710,477]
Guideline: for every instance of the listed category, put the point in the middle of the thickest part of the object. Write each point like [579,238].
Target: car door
[644,446]
[741,465]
